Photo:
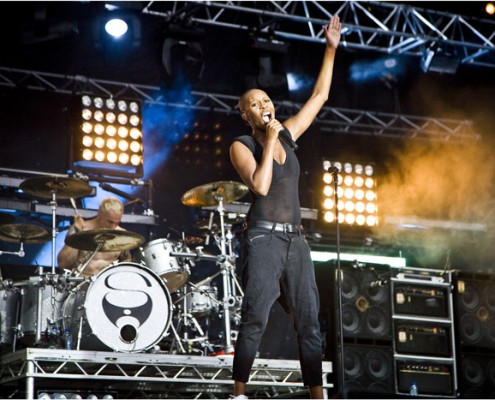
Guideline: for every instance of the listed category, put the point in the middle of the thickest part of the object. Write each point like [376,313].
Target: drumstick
[73,202]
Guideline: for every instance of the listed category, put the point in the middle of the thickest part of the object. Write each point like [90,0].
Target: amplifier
[423,338]
[430,378]
[426,301]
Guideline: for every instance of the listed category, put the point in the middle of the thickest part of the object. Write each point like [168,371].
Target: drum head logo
[128,308]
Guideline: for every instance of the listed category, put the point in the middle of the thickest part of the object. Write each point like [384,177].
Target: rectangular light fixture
[107,137]
[356,194]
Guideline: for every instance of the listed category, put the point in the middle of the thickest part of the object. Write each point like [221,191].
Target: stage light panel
[107,137]
[356,193]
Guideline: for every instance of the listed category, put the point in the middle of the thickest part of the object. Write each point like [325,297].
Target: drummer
[109,215]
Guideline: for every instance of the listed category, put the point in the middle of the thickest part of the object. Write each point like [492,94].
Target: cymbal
[111,240]
[6,218]
[26,233]
[208,194]
[64,188]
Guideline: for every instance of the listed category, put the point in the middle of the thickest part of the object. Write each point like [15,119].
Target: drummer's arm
[125,256]
[68,257]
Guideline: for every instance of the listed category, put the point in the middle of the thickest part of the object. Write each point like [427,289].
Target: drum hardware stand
[227,277]
[188,320]
[79,334]
[19,253]
[53,205]
[229,280]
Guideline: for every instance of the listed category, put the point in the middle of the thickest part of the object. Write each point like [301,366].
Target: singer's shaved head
[249,95]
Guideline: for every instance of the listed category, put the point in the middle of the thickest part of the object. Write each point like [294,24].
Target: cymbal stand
[53,204]
[228,277]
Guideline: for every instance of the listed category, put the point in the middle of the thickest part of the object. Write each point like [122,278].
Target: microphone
[333,170]
[378,283]
[287,139]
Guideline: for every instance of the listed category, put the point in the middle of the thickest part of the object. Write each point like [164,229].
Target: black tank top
[281,204]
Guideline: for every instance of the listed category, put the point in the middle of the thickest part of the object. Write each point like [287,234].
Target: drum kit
[127,306]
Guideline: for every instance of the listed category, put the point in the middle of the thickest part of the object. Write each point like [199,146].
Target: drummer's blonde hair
[111,204]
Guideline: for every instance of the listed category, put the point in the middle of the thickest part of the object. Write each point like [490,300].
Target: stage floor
[30,372]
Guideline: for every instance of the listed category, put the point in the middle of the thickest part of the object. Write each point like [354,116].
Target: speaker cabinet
[476,310]
[477,376]
[368,369]
[366,324]
[365,301]
[279,340]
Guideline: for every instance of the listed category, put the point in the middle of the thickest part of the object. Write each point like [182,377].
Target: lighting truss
[378,26]
[333,119]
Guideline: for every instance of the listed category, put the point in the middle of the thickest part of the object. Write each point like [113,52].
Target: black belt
[276,226]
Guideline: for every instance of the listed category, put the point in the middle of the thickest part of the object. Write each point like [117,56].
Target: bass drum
[125,308]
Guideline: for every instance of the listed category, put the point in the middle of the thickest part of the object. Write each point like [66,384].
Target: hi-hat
[110,240]
[64,188]
[210,194]
[25,233]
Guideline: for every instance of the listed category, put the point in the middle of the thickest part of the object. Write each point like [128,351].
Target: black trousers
[278,263]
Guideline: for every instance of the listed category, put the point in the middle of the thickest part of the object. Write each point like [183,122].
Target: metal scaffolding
[331,119]
[32,371]
[378,26]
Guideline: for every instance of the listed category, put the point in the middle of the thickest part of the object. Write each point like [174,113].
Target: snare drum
[125,307]
[156,255]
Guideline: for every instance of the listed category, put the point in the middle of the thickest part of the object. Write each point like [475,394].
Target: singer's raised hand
[333,32]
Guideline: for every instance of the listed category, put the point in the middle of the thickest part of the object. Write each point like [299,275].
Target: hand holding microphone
[284,136]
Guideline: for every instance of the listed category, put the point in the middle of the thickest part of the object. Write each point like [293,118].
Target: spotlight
[182,53]
[116,27]
[107,137]
[270,73]
[490,8]
[116,31]
[439,59]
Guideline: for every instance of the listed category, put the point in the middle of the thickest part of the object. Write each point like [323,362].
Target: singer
[277,264]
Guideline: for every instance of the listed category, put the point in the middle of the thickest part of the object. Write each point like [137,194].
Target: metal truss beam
[377,26]
[179,375]
[330,119]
